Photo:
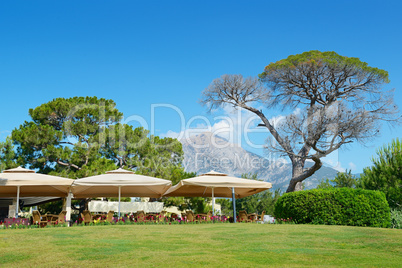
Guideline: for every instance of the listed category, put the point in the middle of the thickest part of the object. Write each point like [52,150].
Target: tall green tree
[82,136]
[64,136]
[330,100]
[7,155]
[386,173]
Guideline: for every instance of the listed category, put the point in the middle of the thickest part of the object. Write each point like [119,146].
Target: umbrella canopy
[31,183]
[131,184]
[19,181]
[221,184]
[119,183]
[214,184]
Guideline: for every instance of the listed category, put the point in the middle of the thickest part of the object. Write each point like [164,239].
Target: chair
[37,219]
[109,217]
[61,218]
[86,217]
[161,217]
[243,217]
[141,217]
[261,217]
[190,216]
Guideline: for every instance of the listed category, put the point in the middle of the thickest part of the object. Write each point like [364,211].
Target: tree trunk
[297,170]
[299,173]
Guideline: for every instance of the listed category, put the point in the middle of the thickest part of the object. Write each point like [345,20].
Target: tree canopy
[386,173]
[82,136]
[331,100]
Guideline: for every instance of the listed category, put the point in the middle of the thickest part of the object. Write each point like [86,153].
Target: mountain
[206,152]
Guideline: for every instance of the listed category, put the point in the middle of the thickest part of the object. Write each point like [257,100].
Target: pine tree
[386,173]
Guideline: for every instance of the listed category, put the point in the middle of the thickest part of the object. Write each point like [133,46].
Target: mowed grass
[240,245]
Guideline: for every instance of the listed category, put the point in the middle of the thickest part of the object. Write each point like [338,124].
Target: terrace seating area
[138,217]
[152,217]
[19,182]
[46,219]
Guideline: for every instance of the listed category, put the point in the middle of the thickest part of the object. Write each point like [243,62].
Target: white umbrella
[214,184]
[120,183]
[21,182]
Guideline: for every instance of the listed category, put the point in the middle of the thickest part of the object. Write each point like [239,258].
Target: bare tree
[336,100]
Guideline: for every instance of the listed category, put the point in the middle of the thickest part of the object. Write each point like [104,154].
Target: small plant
[396,218]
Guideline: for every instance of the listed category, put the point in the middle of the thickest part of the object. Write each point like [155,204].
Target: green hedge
[342,206]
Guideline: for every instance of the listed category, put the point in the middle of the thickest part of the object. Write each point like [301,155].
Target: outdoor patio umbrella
[214,184]
[20,182]
[120,183]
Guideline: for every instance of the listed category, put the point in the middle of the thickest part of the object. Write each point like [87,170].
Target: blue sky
[166,52]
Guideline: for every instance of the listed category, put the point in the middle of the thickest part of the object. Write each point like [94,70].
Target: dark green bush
[344,206]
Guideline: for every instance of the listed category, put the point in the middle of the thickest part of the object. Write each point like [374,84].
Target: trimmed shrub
[344,206]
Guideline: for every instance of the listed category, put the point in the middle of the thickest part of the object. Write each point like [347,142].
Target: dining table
[152,216]
[98,216]
[201,217]
[50,217]
[252,216]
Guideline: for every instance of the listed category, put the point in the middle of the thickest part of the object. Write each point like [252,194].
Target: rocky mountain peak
[206,139]
[206,151]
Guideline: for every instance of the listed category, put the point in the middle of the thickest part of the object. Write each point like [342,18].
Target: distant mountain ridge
[205,152]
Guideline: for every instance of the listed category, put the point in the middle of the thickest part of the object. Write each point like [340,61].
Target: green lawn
[241,245]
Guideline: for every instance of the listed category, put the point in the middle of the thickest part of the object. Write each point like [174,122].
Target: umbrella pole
[68,209]
[119,199]
[213,202]
[234,204]
[18,202]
